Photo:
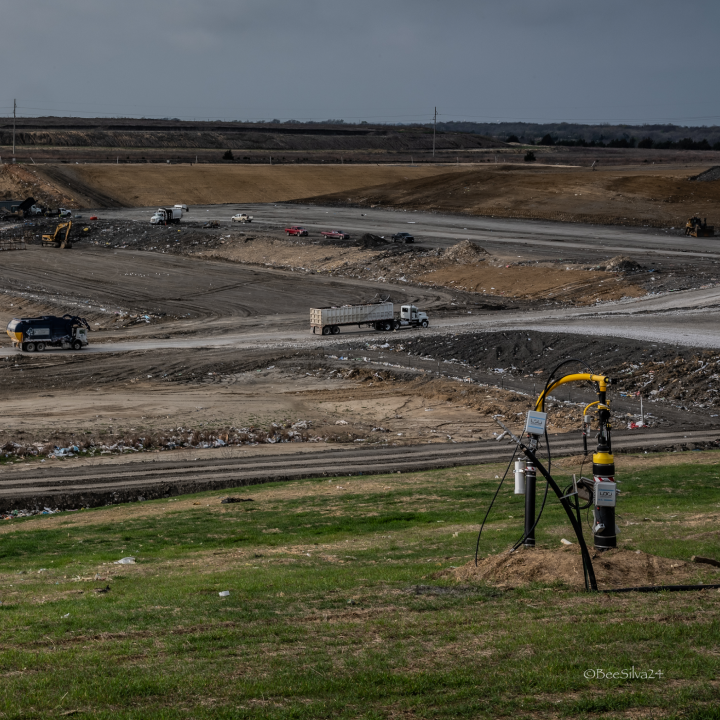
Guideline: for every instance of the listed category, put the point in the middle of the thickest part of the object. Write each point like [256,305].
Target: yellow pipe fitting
[601,380]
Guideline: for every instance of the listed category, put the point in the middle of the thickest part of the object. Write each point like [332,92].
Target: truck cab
[410,315]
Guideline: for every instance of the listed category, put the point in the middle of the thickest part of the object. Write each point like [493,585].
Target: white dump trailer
[380,316]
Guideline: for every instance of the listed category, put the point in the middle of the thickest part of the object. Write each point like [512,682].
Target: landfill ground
[200,338]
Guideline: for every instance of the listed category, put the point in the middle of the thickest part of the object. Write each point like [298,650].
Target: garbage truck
[380,316]
[36,334]
[166,215]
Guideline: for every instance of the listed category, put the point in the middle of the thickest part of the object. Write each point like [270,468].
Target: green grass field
[335,611]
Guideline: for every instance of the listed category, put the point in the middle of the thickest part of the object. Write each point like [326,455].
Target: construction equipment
[36,334]
[695,227]
[18,211]
[57,239]
[380,316]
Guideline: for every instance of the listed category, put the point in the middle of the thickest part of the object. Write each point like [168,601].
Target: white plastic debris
[125,561]
[565,542]
[224,593]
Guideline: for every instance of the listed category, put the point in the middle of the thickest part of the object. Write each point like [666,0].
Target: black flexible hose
[492,502]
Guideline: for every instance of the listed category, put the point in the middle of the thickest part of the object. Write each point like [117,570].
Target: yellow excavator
[695,227]
[59,239]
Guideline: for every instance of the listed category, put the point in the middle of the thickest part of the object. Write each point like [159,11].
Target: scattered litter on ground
[13,514]
[235,500]
[125,561]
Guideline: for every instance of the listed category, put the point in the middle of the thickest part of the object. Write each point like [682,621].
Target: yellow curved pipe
[601,380]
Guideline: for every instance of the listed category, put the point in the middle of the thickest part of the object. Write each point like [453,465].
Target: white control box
[536,422]
[604,493]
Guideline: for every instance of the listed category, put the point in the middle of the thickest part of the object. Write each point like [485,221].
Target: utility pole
[14,116]
[434,127]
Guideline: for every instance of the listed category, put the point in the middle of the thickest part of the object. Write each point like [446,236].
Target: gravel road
[438,230]
[61,485]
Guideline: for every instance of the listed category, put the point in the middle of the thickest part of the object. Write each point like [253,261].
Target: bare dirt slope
[18,183]
[147,185]
[653,196]
[613,569]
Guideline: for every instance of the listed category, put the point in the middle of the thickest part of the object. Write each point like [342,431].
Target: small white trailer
[380,316]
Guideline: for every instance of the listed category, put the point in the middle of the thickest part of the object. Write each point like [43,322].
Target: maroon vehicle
[339,234]
[296,230]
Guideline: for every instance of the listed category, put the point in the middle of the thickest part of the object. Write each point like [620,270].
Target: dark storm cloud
[377,59]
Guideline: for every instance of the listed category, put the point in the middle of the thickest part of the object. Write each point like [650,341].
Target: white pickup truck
[380,316]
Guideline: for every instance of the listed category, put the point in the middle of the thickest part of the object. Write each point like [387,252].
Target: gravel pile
[708,176]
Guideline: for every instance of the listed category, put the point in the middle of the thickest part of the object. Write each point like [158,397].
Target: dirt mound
[623,264]
[708,176]
[368,240]
[19,182]
[466,252]
[613,569]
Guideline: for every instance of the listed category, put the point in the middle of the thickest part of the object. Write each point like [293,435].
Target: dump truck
[17,211]
[695,227]
[380,316]
[59,239]
[166,215]
[35,334]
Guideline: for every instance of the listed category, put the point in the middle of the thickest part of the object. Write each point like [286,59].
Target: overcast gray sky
[378,60]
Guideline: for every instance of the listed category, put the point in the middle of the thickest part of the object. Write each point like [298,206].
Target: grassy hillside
[340,606]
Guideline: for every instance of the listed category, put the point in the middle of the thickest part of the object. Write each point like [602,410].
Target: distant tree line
[660,136]
[646,143]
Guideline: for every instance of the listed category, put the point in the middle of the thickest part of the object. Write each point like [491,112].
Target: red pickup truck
[339,234]
[296,230]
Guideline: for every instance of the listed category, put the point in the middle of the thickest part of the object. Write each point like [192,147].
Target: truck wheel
[40,347]
[326,330]
[389,325]
[77,345]
[30,347]
[424,323]
[335,330]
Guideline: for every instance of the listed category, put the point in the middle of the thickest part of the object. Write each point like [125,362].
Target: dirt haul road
[565,240]
[193,303]
[67,487]
[189,296]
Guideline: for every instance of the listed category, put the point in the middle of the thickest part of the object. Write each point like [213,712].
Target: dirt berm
[613,569]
